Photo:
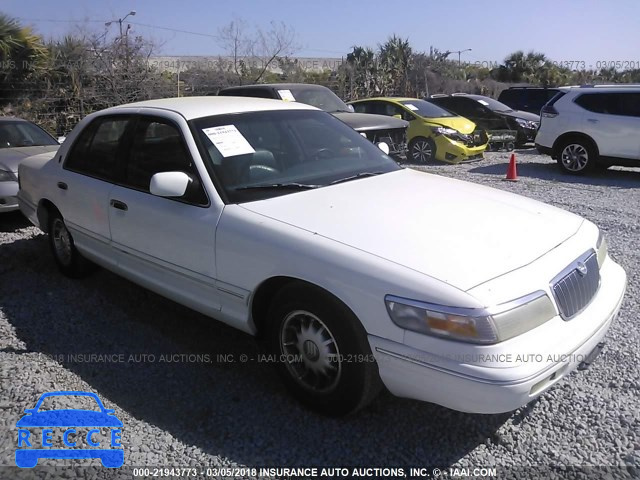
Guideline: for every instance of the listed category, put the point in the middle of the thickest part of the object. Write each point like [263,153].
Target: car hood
[363,122]
[532,117]
[69,418]
[458,232]
[461,124]
[10,158]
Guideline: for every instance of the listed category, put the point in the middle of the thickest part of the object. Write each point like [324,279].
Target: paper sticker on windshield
[286,95]
[411,106]
[228,140]
[484,103]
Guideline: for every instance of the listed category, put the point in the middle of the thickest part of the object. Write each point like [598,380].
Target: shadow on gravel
[619,178]
[12,221]
[182,372]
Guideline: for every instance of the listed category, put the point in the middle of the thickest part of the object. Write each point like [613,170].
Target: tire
[334,373]
[577,156]
[70,262]
[422,150]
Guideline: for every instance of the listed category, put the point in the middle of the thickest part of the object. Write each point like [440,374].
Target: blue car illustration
[69,419]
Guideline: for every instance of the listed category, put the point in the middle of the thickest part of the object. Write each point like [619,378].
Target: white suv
[592,126]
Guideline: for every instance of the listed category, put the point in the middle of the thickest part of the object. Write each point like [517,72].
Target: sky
[587,31]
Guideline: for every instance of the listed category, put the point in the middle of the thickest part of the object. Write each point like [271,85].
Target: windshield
[23,134]
[494,105]
[259,155]
[321,98]
[427,109]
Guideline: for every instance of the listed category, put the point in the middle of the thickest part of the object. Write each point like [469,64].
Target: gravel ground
[201,412]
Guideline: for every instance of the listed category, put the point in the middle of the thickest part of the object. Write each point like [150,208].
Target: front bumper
[8,196]
[511,378]
[453,151]
[542,150]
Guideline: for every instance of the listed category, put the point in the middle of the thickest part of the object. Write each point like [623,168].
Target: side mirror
[169,184]
[384,147]
[61,140]
[351,109]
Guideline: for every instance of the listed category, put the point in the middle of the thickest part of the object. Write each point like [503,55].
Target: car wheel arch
[573,135]
[266,292]
[45,209]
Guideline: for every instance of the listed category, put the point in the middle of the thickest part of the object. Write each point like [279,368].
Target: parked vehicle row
[280,220]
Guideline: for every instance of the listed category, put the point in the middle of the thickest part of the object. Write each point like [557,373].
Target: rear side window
[614,103]
[95,152]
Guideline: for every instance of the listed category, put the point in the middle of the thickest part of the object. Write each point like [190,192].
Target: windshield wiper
[279,186]
[355,177]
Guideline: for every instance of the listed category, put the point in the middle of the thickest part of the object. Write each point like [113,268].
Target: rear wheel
[422,150]
[322,352]
[70,262]
[577,156]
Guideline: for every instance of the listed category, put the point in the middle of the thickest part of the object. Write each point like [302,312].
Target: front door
[166,244]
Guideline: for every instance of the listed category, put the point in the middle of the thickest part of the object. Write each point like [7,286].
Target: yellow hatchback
[434,133]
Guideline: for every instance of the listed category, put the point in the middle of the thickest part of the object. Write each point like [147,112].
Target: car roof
[12,120]
[388,99]
[601,88]
[197,107]
[282,86]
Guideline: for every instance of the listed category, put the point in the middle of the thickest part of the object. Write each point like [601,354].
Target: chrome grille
[576,285]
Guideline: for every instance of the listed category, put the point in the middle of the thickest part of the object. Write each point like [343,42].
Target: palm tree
[396,58]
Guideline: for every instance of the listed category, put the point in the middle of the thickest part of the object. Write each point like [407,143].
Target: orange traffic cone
[512,173]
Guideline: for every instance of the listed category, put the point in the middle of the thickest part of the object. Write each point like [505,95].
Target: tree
[396,58]
[251,54]
[20,55]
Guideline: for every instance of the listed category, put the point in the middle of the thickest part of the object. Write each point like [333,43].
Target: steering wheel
[259,172]
[323,153]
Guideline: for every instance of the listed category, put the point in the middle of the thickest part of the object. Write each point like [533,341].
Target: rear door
[86,180]
[166,244]
[612,119]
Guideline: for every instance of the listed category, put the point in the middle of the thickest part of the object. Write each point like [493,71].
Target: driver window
[158,147]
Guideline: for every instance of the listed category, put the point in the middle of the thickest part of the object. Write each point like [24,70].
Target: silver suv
[591,126]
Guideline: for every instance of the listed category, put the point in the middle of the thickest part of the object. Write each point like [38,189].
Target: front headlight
[527,123]
[6,176]
[474,325]
[602,248]
[444,131]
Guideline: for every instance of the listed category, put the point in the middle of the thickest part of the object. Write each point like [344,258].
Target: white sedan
[278,219]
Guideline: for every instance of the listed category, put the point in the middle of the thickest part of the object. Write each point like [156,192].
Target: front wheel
[422,150]
[323,355]
[70,262]
[577,156]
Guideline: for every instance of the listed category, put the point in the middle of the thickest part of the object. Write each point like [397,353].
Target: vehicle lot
[160,365]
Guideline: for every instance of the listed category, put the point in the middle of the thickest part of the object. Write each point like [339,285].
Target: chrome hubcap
[61,241]
[310,351]
[575,157]
[422,151]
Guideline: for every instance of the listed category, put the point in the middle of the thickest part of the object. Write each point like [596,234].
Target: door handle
[62,186]
[119,205]
[592,120]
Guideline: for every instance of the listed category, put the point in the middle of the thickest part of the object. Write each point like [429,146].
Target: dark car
[528,99]
[491,114]
[377,128]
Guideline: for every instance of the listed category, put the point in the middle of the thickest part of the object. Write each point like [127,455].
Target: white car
[19,139]
[282,221]
[591,126]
